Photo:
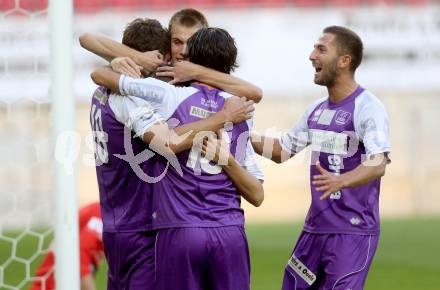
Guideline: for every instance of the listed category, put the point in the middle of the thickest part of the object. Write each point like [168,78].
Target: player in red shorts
[91,252]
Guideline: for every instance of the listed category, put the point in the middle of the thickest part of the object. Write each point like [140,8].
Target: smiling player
[348,135]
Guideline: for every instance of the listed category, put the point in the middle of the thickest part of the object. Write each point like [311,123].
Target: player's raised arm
[183,71]
[106,77]
[158,93]
[109,49]
[248,180]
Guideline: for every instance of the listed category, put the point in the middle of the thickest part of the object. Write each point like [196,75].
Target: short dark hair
[214,48]
[145,34]
[348,42]
[188,17]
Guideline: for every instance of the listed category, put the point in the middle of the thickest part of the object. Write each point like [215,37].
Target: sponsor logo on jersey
[316,115]
[209,103]
[328,142]
[326,117]
[199,112]
[342,117]
[100,96]
[296,265]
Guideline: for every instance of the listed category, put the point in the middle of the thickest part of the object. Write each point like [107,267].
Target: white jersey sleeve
[135,113]
[162,96]
[297,138]
[371,124]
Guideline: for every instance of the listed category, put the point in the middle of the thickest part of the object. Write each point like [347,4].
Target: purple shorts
[202,258]
[130,258]
[330,262]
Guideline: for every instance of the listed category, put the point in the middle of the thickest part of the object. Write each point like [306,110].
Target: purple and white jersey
[342,135]
[125,198]
[204,196]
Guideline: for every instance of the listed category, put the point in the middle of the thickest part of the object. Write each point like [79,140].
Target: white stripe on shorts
[155,256]
[360,270]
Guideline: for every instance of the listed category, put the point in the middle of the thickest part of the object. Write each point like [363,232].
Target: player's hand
[126,66]
[216,149]
[150,60]
[237,109]
[182,71]
[327,182]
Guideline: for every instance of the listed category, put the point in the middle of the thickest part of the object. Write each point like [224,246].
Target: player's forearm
[228,83]
[269,147]
[168,142]
[365,172]
[105,47]
[104,76]
[191,130]
[88,283]
[247,185]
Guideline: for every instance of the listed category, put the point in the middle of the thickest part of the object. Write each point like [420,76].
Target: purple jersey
[204,196]
[341,136]
[125,198]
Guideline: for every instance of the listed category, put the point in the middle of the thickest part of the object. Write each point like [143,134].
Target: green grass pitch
[408,257]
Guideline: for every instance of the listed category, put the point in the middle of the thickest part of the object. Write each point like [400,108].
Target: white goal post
[64,192]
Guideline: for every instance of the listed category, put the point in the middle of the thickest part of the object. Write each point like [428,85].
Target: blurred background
[274,37]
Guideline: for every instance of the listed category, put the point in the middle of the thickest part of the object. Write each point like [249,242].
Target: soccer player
[348,135]
[201,243]
[122,125]
[182,25]
[91,252]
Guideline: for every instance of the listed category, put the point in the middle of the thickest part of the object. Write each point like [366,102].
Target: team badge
[342,117]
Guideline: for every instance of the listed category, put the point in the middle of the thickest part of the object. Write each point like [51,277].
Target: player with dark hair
[145,34]
[206,43]
[183,24]
[201,243]
[348,135]
[91,252]
[121,126]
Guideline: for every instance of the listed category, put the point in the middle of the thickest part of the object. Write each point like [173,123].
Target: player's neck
[341,89]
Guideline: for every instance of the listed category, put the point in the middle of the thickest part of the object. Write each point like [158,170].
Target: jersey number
[99,136]
[195,155]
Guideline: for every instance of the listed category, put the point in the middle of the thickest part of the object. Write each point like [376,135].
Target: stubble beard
[329,75]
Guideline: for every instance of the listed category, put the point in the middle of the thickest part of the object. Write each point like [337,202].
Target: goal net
[37,195]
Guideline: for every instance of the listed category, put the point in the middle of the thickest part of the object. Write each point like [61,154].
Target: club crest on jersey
[342,117]
[199,112]
[100,96]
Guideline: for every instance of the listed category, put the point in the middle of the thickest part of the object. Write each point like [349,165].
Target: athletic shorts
[130,258]
[202,258]
[330,262]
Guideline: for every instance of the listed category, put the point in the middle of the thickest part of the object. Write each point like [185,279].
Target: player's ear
[167,58]
[344,61]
